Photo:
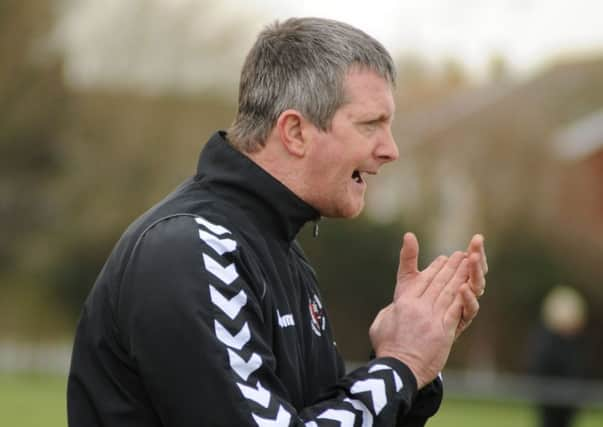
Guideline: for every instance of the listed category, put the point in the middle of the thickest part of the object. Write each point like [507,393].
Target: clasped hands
[430,308]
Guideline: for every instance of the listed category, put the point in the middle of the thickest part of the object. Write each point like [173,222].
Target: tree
[33,108]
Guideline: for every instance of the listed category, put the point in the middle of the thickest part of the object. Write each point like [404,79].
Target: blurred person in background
[558,350]
[207,311]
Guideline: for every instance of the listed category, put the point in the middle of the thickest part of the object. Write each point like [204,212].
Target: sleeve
[196,331]
[426,404]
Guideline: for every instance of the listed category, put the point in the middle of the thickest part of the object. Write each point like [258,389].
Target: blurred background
[104,107]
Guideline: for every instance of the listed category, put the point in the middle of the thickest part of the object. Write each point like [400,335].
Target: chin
[347,212]
[354,212]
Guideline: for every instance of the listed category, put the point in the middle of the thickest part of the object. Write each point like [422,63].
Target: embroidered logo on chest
[317,315]
[285,320]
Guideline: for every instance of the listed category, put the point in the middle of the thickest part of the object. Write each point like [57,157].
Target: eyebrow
[381,118]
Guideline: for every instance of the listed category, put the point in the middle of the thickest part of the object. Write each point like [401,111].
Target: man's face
[358,143]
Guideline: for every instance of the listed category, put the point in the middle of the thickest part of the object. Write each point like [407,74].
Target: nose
[387,149]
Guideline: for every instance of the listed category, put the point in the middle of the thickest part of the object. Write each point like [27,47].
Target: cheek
[330,167]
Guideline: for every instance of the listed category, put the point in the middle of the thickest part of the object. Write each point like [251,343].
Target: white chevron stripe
[258,394]
[231,307]
[397,380]
[237,341]
[367,417]
[282,419]
[226,274]
[241,367]
[221,246]
[216,229]
[381,367]
[345,418]
[377,389]
[311,424]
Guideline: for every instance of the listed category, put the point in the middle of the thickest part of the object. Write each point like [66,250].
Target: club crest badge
[317,315]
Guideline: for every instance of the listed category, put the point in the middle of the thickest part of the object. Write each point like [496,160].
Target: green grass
[34,400]
[464,413]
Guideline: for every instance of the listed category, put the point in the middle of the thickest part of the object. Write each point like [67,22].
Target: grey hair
[301,64]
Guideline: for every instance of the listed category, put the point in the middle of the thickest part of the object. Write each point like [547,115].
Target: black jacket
[207,313]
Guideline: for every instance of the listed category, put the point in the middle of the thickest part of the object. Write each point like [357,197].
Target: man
[558,349]
[207,312]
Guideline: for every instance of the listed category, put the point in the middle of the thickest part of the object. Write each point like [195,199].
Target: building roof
[446,113]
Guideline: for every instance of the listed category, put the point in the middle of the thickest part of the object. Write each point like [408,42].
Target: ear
[290,125]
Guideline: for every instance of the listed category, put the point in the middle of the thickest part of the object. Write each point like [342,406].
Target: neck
[284,167]
[255,192]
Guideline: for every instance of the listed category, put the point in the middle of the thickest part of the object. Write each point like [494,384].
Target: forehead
[366,92]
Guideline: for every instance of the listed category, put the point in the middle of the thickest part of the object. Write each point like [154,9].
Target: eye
[372,125]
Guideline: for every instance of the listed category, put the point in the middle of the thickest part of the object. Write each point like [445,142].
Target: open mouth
[356,176]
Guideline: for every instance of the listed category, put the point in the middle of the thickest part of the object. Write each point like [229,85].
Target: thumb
[409,256]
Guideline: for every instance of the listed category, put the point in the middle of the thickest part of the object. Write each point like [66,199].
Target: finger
[424,279]
[470,303]
[409,256]
[445,275]
[476,245]
[409,261]
[476,275]
[470,309]
[453,316]
[451,289]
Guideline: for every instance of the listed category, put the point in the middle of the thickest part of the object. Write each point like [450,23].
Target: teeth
[357,177]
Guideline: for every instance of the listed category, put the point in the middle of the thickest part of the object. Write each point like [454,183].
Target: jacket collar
[243,183]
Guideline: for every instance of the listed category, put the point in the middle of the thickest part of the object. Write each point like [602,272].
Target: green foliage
[72,277]
[356,263]
[32,112]
[524,266]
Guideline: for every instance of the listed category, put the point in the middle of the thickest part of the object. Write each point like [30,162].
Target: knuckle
[475,309]
[448,293]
